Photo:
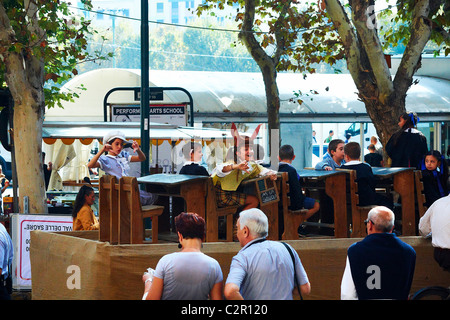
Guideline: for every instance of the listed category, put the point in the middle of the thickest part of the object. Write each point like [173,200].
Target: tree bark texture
[383,97]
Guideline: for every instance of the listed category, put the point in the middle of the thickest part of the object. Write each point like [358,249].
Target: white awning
[241,96]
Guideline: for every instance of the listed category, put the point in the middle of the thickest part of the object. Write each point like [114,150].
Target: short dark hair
[286,152]
[352,150]
[190,225]
[333,144]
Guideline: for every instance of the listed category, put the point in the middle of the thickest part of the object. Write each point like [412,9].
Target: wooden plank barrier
[114,272]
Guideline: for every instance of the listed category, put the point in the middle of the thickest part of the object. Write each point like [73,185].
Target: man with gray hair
[263,269]
[381,266]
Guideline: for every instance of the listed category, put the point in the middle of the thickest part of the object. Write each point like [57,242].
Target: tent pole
[145,134]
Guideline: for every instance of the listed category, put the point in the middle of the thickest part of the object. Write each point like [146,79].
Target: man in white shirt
[436,223]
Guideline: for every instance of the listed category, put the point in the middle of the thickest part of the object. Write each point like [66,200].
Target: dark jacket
[382,267]
[409,149]
[295,189]
[431,187]
[194,169]
[366,186]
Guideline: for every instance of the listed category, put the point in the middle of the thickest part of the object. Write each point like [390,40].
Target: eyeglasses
[367,221]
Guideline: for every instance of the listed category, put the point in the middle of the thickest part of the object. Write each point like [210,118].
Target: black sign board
[267,191]
[155,94]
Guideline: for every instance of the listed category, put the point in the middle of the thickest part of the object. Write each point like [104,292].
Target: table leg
[195,196]
[404,185]
[271,211]
[336,189]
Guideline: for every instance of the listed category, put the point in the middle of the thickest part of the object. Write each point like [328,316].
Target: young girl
[192,152]
[227,177]
[116,162]
[83,216]
[407,147]
[434,176]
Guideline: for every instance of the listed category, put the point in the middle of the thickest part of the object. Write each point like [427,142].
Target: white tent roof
[131,130]
[221,94]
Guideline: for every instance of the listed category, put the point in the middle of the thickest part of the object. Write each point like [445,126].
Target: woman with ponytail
[407,147]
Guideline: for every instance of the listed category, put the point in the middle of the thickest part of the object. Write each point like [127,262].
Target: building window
[160,7]
[174,12]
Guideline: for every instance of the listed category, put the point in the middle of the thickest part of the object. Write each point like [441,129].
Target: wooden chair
[420,196]
[213,213]
[358,213]
[292,218]
[132,213]
[108,209]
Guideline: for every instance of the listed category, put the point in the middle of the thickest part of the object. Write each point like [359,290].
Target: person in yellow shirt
[83,216]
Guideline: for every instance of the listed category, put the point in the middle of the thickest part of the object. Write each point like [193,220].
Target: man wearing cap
[117,161]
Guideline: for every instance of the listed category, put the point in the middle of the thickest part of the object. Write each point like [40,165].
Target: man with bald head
[381,266]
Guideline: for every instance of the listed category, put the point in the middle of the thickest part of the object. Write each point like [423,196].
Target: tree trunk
[267,65]
[383,97]
[24,73]
[27,147]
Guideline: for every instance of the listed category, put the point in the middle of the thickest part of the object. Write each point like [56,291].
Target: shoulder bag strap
[295,276]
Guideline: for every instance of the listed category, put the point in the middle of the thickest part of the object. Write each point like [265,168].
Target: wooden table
[189,187]
[402,181]
[333,182]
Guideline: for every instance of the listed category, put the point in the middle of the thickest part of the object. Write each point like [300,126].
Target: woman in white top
[189,274]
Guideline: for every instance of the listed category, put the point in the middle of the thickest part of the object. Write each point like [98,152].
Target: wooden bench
[292,218]
[358,213]
[132,213]
[420,196]
[108,209]
[213,212]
